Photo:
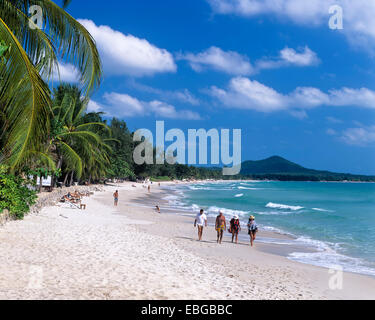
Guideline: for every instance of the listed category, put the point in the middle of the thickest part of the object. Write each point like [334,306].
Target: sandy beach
[132,252]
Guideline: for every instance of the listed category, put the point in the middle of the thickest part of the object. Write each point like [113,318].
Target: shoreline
[299,248]
[274,252]
[132,252]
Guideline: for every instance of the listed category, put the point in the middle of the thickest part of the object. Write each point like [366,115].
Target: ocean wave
[228,212]
[246,188]
[199,188]
[283,206]
[174,201]
[273,213]
[239,195]
[322,210]
[194,188]
[334,260]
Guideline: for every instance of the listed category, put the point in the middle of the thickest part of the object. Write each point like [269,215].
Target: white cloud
[298,11]
[358,14]
[125,106]
[347,96]
[233,63]
[359,136]
[183,95]
[249,94]
[305,58]
[168,111]
[331,132]
[128,55]
[334,120]
[66,72]
[93,106]
[299,114]
[215,58]
[290,57]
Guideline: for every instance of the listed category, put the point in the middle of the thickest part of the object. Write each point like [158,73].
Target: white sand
[106,253]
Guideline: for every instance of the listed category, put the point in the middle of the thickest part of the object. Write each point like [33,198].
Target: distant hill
[278,168]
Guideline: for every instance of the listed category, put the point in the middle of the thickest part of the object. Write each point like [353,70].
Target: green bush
[14,194]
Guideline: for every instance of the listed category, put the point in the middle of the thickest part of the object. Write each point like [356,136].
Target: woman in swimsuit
[235,228]
[253,230]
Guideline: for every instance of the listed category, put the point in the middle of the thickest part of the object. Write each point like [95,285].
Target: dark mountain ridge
[279,168]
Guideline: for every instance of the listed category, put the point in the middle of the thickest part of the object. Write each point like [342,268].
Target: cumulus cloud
[358,15]
[233,63]
[247,94]
[93,106]
[311,11]
[217,59]
[66,72]
[124,105]
[304,57]
[250,94]
[164,110]
[362,136]
[184,95]
[128,55]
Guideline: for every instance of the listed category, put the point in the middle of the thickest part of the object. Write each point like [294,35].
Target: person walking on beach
[253,230]
[115,197]
[235,228]
[200,222]
[220,226]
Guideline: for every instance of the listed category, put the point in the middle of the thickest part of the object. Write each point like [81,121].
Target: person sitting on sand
[220,226]
[115,197]
[235,228]
[158,209]
[201,222]
[253,230]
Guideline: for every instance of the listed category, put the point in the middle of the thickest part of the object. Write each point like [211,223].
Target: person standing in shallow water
[253,230]
[200,222]
[235,228]
[220,226]
[115,197]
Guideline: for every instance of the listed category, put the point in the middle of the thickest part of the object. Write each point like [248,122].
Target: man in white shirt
[201,222]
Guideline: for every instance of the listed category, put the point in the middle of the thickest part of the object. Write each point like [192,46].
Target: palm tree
[77,142]
[28,58]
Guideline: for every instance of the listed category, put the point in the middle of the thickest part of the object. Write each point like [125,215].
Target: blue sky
[274,69]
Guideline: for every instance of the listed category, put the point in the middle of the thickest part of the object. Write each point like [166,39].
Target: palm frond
[72,159]
[24,98]
[73,42]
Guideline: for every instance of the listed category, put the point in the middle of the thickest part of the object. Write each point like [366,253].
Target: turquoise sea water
[337,219]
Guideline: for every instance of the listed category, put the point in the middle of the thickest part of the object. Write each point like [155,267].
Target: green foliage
[14,194]
[78,138]
[160,179]
[28,59]
[120,169]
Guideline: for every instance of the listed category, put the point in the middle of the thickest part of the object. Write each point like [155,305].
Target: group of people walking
[221,227]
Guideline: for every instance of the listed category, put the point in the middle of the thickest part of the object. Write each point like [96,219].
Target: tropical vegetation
[40,133]
[48,131]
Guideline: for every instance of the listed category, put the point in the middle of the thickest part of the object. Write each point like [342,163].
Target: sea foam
[283,206]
